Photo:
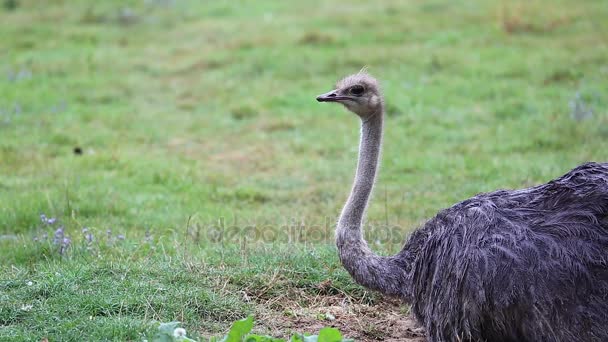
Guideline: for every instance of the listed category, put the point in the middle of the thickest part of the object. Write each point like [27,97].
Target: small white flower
[29,283]
[179,332]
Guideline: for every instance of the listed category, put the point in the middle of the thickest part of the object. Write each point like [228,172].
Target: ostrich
[509,265]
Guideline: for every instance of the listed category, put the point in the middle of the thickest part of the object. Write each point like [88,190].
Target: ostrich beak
[331,96]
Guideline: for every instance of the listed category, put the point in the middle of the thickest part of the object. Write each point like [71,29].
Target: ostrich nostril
[326,97]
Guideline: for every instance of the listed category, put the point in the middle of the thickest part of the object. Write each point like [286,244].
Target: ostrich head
[359,93]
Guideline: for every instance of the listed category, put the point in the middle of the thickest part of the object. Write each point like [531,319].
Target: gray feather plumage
[524,265]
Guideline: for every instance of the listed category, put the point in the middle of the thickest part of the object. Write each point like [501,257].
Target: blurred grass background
[156,119]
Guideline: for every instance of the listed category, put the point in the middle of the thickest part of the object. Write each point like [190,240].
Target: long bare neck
[376,272]
[351,219]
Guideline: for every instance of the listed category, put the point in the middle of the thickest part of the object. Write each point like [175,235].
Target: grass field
[184,136]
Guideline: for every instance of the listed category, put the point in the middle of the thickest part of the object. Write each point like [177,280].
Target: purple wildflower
[120,237]
[88,236]
[47,220]
[65,243]
[59,236]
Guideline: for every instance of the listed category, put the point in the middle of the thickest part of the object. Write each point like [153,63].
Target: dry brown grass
[386,320]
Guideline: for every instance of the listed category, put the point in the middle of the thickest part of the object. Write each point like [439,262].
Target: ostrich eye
[357,90]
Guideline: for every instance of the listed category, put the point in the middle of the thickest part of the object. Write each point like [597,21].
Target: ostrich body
[509,265]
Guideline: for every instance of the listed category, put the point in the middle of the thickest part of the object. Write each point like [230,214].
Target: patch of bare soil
[387,320]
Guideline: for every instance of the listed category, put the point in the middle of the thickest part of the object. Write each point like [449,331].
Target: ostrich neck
[384,274]
[351,219]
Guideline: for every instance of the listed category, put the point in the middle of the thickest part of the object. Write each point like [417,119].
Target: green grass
[199,117]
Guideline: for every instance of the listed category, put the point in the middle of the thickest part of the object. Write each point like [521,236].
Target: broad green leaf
[184,339]
[296,338]
[239,329]
[329,335]
[258,338]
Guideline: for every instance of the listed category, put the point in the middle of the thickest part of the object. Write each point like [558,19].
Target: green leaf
[329,335]
[165,332]
[311,338]
[184,339]
[239,330]
[296,338]
[258,338]
[162,337]
[168,328]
